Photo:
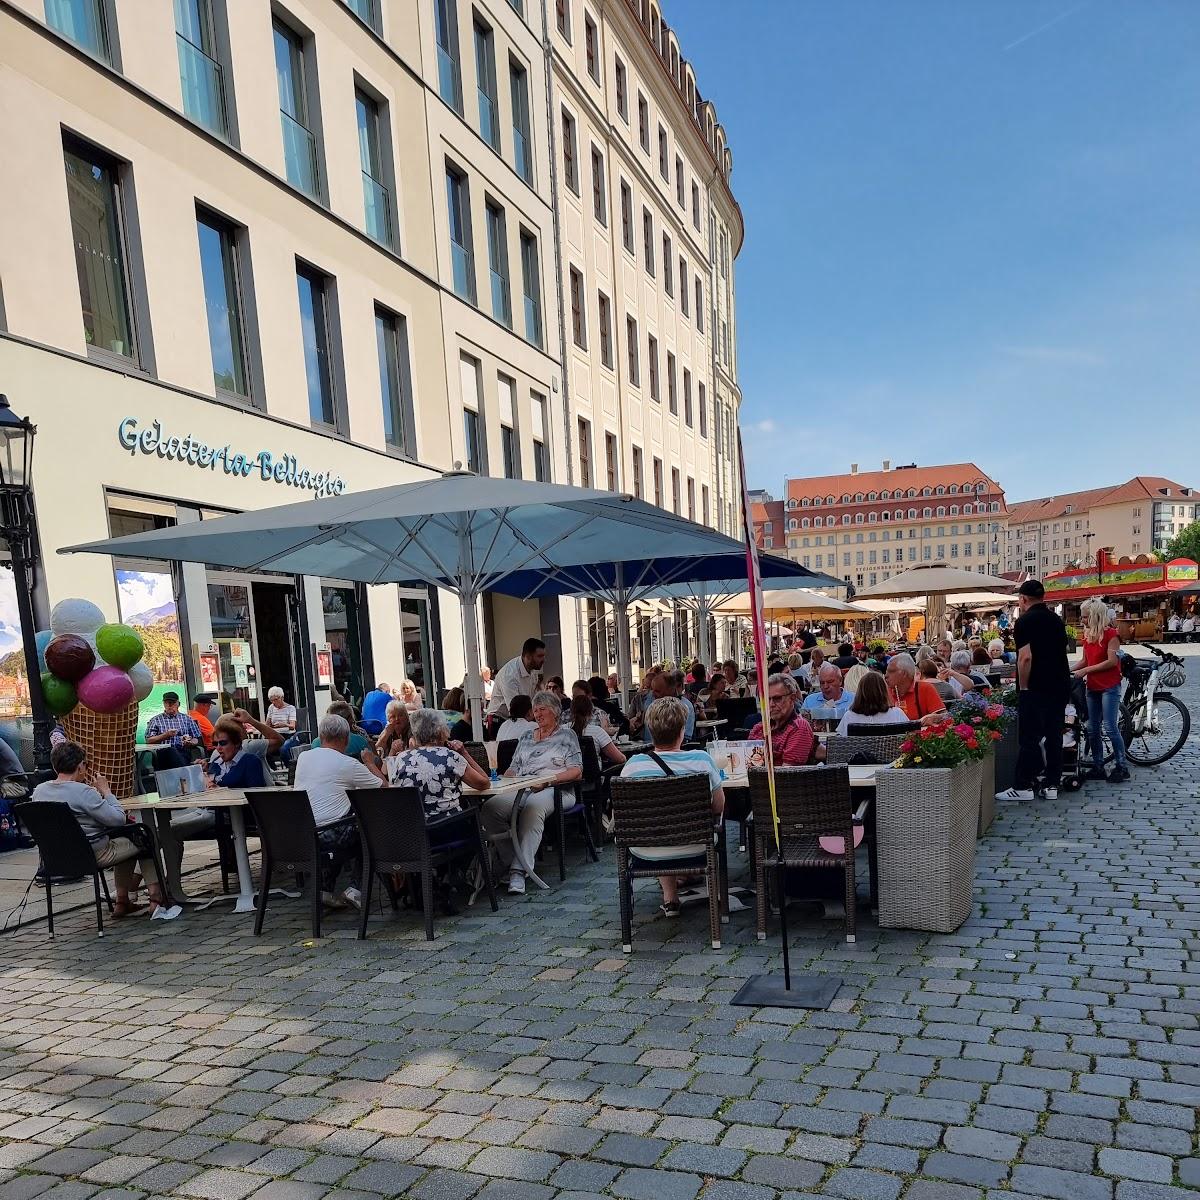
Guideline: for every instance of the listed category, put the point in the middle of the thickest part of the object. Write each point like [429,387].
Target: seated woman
[231,765]
[396,732]
[608,706]
[550,750]
[434,769]
[930,671]
[410,696]
[101,818]
[455,710]
[583,721]
[665,721]
[871,705]
[717,689]
[359,739]
[520,710]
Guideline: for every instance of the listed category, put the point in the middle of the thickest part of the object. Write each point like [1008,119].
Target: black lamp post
[16,521]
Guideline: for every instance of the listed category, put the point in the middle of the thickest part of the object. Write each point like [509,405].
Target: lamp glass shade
[16,449]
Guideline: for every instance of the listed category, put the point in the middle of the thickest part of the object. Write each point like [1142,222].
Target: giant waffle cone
[109,739]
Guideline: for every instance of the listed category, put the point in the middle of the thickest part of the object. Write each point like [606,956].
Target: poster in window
[146,600]
[210,671]
[324,666]
[14,680]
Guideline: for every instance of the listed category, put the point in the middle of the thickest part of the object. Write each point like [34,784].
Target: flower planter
[926,825]
[987,792]
[1006,758]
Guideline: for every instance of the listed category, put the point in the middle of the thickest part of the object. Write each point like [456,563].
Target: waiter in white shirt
[520,676]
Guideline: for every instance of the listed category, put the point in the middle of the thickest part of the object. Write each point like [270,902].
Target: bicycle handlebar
[1165,655]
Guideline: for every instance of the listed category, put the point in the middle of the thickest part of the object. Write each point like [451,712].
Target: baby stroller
[1075,740]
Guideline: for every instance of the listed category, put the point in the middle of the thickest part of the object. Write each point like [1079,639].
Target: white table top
[213,798]
[506,784]
[862,775]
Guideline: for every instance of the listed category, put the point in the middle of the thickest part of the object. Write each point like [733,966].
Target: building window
[445,25]
[485,84]
[462,254]
[672,397]
[683,286]
[85,22]
[578,310]
[648,241]
[497,241]
[658,482]
[704,511]
[699,305]
[644,122]
[696,205]
[377,200]
[668,275]
[201,77]
[627,217]
[702,405]
[585,453]
[219,268]
[675,490]
[570,152]
[471,382]
[652,355]
[638,482]
[299,142]
[532,287]
[622,89]
[101,259]
[522,153]
[509,446]
[631,343]
[316,332]
[591,47]
[605,311]
[612,475]
[541,455]
[395,382]
[664,167]
[599,202]
[691,499]
[562,17]
[687,397]
[366,12]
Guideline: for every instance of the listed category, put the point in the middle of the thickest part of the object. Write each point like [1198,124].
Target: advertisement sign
[324,666]
[210,671]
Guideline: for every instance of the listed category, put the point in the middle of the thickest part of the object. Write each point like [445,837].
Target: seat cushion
[663,853]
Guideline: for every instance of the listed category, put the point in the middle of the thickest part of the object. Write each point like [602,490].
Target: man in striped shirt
[174,732]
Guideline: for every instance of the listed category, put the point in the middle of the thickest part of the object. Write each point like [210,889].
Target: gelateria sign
[284,469]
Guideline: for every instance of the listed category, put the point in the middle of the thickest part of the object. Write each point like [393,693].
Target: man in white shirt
[325,773]
[1174,623]
[1188,624]
[519,676]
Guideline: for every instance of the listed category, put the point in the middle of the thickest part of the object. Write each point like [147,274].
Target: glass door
[418,662]
[232,617]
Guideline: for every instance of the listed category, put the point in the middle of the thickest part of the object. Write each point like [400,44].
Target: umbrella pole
[702,644]
[621,616]
[474,685]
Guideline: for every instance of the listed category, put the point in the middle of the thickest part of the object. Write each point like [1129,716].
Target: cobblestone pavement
[1049,1048]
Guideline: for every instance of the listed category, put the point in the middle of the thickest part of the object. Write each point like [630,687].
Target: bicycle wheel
[1162,737]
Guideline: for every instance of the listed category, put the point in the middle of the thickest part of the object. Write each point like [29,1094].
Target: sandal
[126,909]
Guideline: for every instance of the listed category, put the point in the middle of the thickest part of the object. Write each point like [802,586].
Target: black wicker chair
[395,840]
[735,710]
[666,811]
[66,852]
[813,802]
[287,835]
[864,748]
[504,754]
[477,753]
[864,731]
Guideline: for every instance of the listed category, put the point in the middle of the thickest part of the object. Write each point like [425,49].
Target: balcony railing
[501,305]
[203,87]
[533,321]
[489,126]
[366,11]
[300,155]
[83,21]
[448,81]
[463,263]
[377,203]
[522,158]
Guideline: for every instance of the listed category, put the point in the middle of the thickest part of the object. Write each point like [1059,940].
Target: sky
[972,233]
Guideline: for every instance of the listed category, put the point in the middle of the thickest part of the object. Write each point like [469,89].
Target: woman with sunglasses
[231,765]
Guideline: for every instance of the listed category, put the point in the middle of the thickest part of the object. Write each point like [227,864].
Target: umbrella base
[807,991]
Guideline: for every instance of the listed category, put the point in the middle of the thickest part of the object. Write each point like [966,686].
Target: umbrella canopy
[796,602]
[935,579]
[460,531]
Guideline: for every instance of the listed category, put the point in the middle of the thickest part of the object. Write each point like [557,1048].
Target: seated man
[358,741]
[101,818]
[792,738]
[845,657]
[670,683]
[174,733]
[664,722]
[204,713]
[917,699]
[325,773]
[832,694]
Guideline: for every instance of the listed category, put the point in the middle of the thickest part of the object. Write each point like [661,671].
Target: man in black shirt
[1044,683]
[845,658]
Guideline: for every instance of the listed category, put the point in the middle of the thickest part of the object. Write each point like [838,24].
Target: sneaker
[162,913]
[516,884]
[1049,793]
[1119,775]
[353,896]
[1022,795]
[1096,773]
[670,908]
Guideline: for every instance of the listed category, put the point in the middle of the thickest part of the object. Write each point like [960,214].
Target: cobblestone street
[1049,1048]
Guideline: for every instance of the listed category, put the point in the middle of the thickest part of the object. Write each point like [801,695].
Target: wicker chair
[879,749]
[477,753]
[813,802]
[671,810]
[904,727]
[395,840]
[287,835]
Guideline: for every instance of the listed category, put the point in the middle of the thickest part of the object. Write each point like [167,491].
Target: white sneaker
[161,913]
[1050,793]
[1022,795]
[353,896]
[516,884]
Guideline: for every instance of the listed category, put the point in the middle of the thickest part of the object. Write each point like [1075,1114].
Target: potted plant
[990,720]
[927,817]
[1072,639]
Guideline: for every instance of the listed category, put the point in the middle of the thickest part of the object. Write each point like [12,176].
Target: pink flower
[973,743]
[964,731]
[906,746]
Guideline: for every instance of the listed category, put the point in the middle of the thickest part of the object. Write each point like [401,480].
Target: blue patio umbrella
[460,531]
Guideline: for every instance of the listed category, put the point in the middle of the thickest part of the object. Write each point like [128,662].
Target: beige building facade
[262,251]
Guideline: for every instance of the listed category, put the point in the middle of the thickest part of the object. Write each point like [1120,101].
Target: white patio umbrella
[936,581]
[458,531]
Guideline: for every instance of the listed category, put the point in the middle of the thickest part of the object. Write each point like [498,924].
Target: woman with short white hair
[432,766]
[996,652]
[280,714]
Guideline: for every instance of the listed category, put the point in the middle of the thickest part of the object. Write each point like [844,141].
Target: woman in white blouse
[871,705]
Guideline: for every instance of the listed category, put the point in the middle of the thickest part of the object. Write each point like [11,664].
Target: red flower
[963,731]
[973,743]
[927,733]
[995,735]
[907,745]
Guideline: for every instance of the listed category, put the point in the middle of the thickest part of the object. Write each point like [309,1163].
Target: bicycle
[1153,723]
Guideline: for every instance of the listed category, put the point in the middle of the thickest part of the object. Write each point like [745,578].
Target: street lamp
[16,519]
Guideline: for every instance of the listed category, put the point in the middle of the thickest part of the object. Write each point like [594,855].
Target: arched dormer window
[804,523]
[927,491]
[927,512]
[858,518]
[912,514]
[858,497]
[954,510]
[793,524]
[941,512]
[872,496]
[872,518]
[941,491]
[845,518]
[954,489]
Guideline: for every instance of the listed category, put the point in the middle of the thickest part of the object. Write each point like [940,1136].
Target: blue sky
[984,218]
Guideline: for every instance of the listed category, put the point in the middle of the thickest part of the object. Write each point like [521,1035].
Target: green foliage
[1185,544]
[943,745]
